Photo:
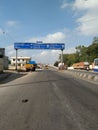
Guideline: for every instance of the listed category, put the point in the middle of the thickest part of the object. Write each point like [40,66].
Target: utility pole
[62,56]
[62,65]
[16,58]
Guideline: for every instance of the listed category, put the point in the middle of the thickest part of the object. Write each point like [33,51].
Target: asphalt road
[48,100]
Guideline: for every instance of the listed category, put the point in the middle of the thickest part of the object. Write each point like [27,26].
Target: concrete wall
[1,64]
[3,60]
[5,63]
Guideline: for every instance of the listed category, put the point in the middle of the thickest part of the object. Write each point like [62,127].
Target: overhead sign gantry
[55,46]
[39,45]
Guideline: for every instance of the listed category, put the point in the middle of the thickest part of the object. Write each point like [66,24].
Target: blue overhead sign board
[55,46]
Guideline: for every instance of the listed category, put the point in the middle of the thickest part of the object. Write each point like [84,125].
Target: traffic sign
[55,46]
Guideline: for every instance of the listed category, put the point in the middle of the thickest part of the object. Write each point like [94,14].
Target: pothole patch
[25,100]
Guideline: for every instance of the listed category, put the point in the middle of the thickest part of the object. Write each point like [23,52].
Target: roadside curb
[84,75]
[93,77]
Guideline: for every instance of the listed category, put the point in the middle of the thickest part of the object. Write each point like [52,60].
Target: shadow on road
[37,82]
[10,76]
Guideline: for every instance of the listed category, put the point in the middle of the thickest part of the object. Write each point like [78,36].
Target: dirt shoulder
[8,76]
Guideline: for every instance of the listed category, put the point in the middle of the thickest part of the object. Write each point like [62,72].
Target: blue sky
[73,22]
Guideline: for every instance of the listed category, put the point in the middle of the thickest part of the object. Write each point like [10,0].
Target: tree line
[82,54]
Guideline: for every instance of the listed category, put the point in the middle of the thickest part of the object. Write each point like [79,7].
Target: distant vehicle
[81,65]
[95,68]
[46,66]
[61,66]
[31,66]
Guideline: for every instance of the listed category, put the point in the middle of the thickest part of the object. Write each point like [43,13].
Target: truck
[81,65]
[30,66]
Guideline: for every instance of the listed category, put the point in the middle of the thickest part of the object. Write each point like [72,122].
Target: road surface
[48,100]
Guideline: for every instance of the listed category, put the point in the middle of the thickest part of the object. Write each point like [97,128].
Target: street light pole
[16,58]
[62,56]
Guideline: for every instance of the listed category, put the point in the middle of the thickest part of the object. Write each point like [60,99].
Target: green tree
[82,54]
[56,63]
[95,40]
[68,59]
[92,52]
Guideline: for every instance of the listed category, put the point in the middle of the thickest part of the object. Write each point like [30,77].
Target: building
[21,61]
[5,63]
[2,55]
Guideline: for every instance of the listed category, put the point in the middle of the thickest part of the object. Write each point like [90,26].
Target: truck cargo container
[81,65]
[30,66]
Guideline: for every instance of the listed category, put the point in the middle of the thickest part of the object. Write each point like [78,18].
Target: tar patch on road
[25,100]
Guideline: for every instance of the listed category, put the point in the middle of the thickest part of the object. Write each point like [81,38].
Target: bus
[96,65]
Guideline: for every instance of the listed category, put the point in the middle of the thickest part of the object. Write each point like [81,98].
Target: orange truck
[81,65]
[31,66]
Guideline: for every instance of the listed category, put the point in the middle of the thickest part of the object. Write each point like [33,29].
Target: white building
[21,61]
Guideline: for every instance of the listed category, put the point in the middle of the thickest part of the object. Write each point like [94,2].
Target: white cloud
[55,51]
[85,4]
[45,56]
[49,56]
[64,5]
[11,23]
[87,16]
[70,50]
[87,23]
[55,37]
[1,31]
[43,53]
[10,51]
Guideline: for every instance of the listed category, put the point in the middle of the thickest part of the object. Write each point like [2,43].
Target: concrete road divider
[91,76]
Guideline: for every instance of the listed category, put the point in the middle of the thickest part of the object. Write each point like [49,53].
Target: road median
[83,74]
[91,76]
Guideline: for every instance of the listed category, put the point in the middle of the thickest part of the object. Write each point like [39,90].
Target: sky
[73,22]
